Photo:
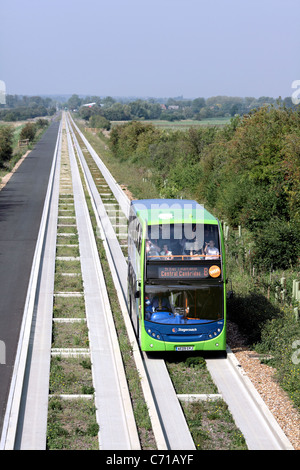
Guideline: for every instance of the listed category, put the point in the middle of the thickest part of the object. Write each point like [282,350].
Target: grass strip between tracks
[72,421]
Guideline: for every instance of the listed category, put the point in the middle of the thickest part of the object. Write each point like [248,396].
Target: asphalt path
[21,207]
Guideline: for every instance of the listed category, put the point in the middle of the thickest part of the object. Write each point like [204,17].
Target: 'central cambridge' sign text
[186,272]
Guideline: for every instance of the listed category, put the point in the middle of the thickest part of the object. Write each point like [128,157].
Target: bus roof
[158,211]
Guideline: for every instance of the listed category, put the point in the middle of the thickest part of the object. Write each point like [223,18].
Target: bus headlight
[154,334]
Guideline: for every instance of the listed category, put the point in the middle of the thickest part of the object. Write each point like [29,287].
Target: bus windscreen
[182,242]
[183,304]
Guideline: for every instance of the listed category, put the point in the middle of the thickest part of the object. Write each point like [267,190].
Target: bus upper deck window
[183,242]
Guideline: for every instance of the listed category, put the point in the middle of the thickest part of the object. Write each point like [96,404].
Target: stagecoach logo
[214,271]
[183,330]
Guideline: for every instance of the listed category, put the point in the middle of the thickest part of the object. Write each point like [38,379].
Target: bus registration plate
[184,348]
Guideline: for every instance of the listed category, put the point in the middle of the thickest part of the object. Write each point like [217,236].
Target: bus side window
[130,225]
[135,232]
[139,238]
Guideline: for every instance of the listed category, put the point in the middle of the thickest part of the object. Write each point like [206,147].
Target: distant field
[191,123]
[184,124]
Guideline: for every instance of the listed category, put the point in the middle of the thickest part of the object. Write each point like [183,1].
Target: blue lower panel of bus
[196,330]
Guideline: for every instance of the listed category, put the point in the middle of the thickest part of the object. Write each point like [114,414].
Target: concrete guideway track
[115,415]
[252,416]
[250,413]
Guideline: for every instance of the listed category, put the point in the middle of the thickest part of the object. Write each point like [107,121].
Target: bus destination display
[188,272]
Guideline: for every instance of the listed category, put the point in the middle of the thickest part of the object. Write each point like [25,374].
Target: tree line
[20,108]
[246,173]
[170,109]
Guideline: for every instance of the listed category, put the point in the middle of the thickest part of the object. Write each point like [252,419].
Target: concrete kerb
[269,418]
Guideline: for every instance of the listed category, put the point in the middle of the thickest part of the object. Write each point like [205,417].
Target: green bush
[278,244]
[40,123]
[99,122]
[6,143]
[28,131]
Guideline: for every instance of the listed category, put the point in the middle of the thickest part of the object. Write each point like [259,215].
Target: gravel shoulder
[263,378]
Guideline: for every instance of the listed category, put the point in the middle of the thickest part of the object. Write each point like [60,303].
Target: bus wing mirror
[230,294]
[137,295]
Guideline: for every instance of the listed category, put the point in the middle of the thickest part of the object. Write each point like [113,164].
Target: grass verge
[72,425]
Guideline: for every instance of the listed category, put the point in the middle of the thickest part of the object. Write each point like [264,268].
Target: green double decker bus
[176,276]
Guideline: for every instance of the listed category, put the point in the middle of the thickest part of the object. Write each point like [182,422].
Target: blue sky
[154,48]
